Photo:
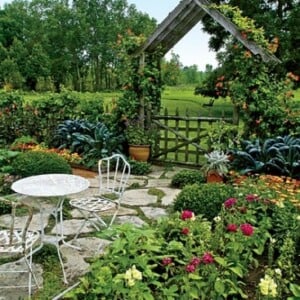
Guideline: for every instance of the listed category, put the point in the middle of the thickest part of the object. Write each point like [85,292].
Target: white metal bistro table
[52,185]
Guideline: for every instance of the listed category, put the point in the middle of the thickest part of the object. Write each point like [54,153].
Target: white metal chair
[17,242]
[114,172]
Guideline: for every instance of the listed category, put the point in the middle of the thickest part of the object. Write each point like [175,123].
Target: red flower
[187,214]
[167,261]
[190,268]
[207,258]
[247,229]
[251,198]
[195,261]
[185,231]
[230,202]
[232,227]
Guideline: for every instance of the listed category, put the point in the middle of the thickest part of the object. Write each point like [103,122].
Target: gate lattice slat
[183,139]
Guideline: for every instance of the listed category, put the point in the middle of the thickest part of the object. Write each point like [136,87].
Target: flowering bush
[187,257]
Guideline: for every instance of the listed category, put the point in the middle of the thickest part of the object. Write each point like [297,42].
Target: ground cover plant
[248,251]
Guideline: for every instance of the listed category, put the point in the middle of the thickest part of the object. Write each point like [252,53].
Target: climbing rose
[230,202]
[207,258]
[247,229]
[187,214]
[190,268]
[185,231]
[232,227]
[167,261]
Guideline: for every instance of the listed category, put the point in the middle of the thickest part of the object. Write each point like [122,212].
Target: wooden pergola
[180,21]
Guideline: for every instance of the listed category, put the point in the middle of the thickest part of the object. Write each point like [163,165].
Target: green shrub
[184,177]
[38,162]
[139,167]
[204,199]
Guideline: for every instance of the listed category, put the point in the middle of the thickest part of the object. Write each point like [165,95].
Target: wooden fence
[182,139]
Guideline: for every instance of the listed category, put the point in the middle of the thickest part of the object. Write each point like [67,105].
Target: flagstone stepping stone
[138,197]
[123,211]
[170,195]
[20,278]
[130,219]
[154,212]
[157,183]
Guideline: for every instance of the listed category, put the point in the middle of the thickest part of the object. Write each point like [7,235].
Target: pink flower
[232,227]
[185,231]
[190,268]
[195,261]
[207,258]
[251,198]
[247,229]
[230,202]
[187,214]
[167,261]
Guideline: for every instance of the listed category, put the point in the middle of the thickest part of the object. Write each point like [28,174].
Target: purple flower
[190,268]
[207,258]
[230,202]
[195,261]
[187,214]
[167,261]
[247,229]
[251,198]
[232,227]
[185,231]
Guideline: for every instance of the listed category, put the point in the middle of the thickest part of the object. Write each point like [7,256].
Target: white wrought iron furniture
[54,186]
[114,172]
[18,242]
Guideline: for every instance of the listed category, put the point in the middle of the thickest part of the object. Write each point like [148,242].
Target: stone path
[140,204]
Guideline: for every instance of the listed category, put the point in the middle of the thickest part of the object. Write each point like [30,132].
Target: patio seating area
[138,206]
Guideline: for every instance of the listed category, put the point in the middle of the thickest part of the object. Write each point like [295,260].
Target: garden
[232,232]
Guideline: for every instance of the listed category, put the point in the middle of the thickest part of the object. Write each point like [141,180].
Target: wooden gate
[182,139]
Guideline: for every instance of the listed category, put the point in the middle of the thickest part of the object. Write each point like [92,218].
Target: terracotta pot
[139,152]
[214,176]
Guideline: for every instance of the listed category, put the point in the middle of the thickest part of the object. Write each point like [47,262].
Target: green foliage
[38,162]
[276,156]
[204,199]
[184,256]
[6,159]
[139,167]
[185,177]
[137,136]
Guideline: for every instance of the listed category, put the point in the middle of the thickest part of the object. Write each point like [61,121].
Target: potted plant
[216,166]
[139,141]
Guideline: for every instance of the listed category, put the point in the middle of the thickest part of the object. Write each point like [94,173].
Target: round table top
[50,185]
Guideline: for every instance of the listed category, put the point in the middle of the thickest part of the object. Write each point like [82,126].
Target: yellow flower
[267,286]
[136,274]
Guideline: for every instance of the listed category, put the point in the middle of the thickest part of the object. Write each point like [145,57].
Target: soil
[84,173]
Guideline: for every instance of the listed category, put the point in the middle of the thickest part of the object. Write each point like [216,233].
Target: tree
[171,70]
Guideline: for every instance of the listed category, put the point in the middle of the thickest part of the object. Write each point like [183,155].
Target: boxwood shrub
[184,177]
[205,199]
[38,162]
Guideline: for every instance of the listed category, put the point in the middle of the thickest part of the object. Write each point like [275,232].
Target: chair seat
[93,204]
[16,247]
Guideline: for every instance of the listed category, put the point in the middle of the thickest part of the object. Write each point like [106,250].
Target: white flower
[278,271]
[267,286]
[298,218]
[217,219]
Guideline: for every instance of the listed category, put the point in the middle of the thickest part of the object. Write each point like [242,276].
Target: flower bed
[248,251]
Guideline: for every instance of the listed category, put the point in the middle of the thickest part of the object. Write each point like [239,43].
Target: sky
[192,48]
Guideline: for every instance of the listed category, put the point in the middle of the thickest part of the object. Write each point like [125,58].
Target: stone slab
[153,212]
[170,195]
[157,183]
[130,219]
[139,197]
